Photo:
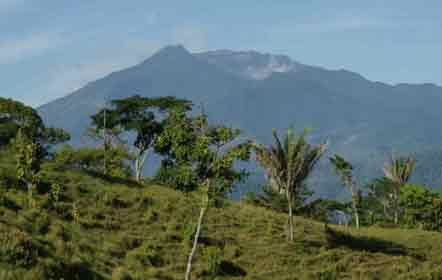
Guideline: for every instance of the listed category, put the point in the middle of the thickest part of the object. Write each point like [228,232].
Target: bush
[18,248]
[121,273]
[92,159]
[213,257]
[145,255]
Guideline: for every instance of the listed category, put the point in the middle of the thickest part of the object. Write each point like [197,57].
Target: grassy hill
[105,228]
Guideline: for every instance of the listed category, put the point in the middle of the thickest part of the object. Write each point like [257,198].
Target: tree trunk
[139,164]
[354,202]
[195,242]
[137,169]
[31,201]
[289,201]
[356,217]
[396,207]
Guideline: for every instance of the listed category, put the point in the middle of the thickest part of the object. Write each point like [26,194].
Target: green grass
[142,231]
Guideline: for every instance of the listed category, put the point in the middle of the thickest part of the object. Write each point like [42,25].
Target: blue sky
[49,48]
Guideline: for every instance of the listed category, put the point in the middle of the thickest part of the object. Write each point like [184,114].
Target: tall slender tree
[288,165]
[28,161]
[345,169]
[204,154]
[398,170]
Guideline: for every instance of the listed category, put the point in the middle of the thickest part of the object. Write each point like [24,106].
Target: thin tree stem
[195,242]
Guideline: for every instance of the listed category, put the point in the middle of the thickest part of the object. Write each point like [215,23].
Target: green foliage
[418,206]
[181,177]
[188,233]
[398,171]
[416,202]
[213,257]
[84,226]
[345,169]
[121,273]
[28,162]
[434,216]
[75,213]
[269,198]
[320,209]
[288,164]
[55,194]
[196,152]
[18,248]
[92,159]
[153,249]
[138,115]
[15,115]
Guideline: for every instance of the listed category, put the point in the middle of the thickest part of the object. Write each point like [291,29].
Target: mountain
[250,64]
[361,119]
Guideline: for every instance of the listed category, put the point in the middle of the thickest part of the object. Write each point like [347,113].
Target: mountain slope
[104,229]
[172,71]
[363,120]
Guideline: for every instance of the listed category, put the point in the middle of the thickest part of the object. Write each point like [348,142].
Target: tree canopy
[15,115]
[141,116]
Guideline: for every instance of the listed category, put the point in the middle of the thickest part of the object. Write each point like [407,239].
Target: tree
[21,126]
[91,159]
[398,171]
[345,169]
[28,161]
[378,198]
[138,115]
[15,115]
[204,154]
[417,204]
[288,165]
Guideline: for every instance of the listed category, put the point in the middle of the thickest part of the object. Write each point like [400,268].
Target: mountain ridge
[359,117]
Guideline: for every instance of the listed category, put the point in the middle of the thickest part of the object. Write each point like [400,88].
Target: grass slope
[110,229]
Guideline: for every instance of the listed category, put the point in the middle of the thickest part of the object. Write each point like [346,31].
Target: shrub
[121,273]
[213,257]
[18,248]
[145,255]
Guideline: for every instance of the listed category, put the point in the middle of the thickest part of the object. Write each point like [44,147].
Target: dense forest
[88,213]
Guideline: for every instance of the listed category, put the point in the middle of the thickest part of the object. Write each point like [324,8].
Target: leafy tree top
[136,114]
[399,169]
[201,152]
[15,115]
[342,167]
[289,162]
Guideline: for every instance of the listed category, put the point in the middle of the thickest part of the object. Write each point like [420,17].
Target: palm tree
[398,170]
[288,165]
[345,169]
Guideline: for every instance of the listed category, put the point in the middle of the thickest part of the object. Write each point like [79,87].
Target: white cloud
[13,50]
[193,38]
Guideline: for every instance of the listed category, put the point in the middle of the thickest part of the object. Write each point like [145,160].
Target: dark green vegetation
[102,228]
[85,214]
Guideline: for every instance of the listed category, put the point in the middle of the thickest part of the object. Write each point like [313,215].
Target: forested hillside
[89,213]
[116,229]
